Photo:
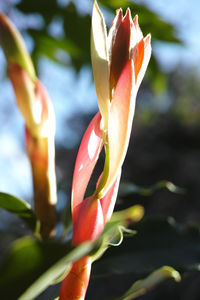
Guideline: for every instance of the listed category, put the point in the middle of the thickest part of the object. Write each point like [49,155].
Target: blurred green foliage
[19,208]
[73,47]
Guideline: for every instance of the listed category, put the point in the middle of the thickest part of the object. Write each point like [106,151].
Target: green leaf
[19,208]
[129,188]
[158,242]
[129,215]
[140,287]
[47,8]
[60,50]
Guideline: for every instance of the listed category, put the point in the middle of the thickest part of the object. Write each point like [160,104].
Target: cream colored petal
[120,122]
[139,34]
[136,33]
[99,56]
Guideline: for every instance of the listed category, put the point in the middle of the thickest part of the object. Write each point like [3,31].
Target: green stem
[99,190]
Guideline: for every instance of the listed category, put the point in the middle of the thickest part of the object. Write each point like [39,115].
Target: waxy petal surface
[145,61]
[138,57]
[120,49]
[113,30]
[88,221]
[75,284]
[87,157]
[99,57]
[120,123]
[138,32]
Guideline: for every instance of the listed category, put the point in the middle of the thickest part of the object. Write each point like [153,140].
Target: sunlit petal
[88,221]
[77,280]
[139,34]
[145,61]
[120,123]
[113,30]
[137,54]
[87,157]
[99,57]
[120,49]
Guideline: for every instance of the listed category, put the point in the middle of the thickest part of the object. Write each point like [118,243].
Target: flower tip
[13,46]
[1,16]
[95,5]
[148,37]
[147,40]
[4,23]
[135,20]
[119,12]
[137,28]
[127,19]
[128,15]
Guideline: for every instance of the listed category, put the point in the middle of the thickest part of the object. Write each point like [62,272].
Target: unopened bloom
[37,110]
[119,61]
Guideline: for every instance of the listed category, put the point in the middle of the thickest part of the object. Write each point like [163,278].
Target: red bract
[75,284]
[87,157]
[119,61]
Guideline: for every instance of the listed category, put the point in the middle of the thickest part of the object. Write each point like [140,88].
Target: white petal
[120,122]
[99,56]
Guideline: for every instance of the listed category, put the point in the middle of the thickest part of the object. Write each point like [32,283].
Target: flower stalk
[36,108]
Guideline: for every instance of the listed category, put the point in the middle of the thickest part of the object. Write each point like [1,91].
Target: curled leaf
[140,287]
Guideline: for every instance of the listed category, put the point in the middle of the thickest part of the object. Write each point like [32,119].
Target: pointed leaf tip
[140,287]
